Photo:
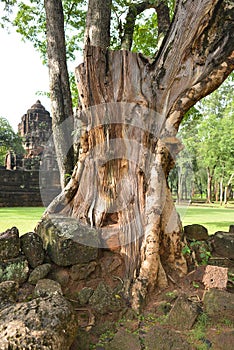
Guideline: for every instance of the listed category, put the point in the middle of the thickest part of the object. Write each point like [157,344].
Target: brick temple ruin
[24,179]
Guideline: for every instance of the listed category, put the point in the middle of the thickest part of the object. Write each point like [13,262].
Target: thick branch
[97,32]
[196,57]
[163,21]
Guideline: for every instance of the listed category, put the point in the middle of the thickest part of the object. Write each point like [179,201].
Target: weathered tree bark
[97,31]
[60,94]
[129,112]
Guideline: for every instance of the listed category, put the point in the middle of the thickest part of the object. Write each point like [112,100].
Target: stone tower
[35,129]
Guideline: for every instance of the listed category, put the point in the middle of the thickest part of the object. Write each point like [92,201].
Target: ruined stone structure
[35,129]
[25,180]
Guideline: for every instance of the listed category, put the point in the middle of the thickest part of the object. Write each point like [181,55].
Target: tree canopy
[29,19]
[9,140]
[129,18]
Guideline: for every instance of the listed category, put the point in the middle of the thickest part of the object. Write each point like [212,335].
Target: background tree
[119,184]
[9,140]
[185,177]
[208,144]
[60,93]
[215,141]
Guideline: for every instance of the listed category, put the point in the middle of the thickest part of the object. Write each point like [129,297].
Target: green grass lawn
[214,219]
[25,219]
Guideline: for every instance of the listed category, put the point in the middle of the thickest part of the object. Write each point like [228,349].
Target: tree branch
[196,57]
[136,9]
[69,13]
[163,15]
[97,31]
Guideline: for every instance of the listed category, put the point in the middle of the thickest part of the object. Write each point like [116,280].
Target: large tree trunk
[125,160]
[129,114]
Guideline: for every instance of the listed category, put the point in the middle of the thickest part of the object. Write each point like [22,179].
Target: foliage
[208,141]
[186,250]
[74,91]
[30,22]
[204,254]
[105,338]
[196,285]
[6,9]
[73,87]
[231,277]
[198,333]
[9,140]
[28,17]
[145,38]
[145,322]
[201,253]
[216,146]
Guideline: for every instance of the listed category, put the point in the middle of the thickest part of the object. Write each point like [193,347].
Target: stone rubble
[53,289]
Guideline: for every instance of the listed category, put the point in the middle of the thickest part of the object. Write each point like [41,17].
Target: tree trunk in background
[129,113]
[60,94]
[225,194]
[209,185]
[185,189]
[180,186]
[227,188]
[221,191]
[216,187]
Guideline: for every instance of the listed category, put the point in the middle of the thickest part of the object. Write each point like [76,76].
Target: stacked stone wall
[21,188]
